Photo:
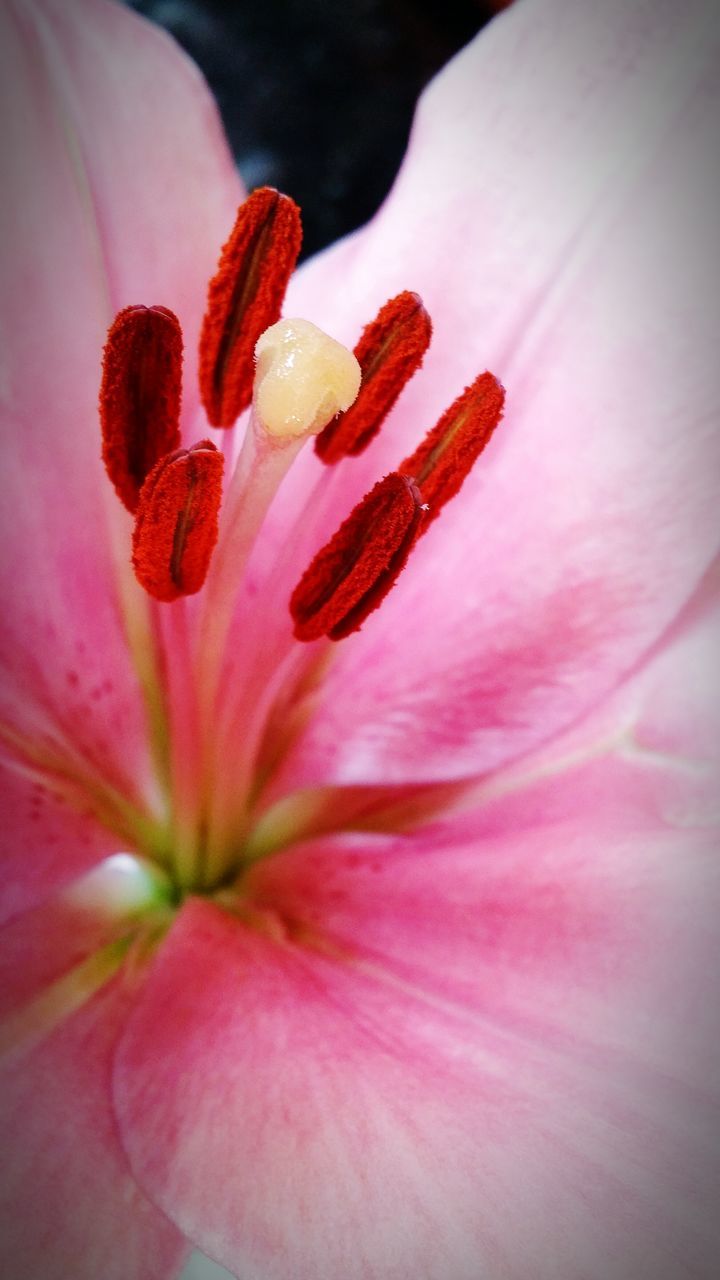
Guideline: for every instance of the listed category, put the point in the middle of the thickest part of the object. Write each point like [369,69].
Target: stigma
[298,382]
[303,379]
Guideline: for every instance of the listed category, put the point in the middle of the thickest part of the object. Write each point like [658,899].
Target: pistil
[303,378]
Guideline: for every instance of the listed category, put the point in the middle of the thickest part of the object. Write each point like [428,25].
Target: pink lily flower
[433,995]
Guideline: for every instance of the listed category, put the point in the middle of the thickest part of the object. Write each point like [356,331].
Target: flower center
[229,685]
[191,544]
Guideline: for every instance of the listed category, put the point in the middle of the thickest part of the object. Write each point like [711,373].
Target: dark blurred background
[317,97]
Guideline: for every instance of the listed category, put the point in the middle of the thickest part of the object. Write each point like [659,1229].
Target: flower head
[385,951]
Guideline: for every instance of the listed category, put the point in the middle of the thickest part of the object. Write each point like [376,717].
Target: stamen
[389,352]
[140,396]
[449,451]
[303,379]
[177,521]
[353,573]
[244,297]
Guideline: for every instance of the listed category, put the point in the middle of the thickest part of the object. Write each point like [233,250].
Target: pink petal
[119,189]
[556,214]
[44,843]
[666,714]
[69,1206]
[492,1047]
[596,852]
[282,1102]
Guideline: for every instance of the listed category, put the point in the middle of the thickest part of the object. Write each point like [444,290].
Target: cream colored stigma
[303,378]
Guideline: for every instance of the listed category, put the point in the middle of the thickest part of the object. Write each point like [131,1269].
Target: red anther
[140,395]
[447,454]
[390,350]
[176,526]
[244,297]
[353,573]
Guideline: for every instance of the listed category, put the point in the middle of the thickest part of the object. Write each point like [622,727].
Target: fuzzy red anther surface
[140,395]
[353,573]
[449,451]
[390,350]
[245,296]
[176,526]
